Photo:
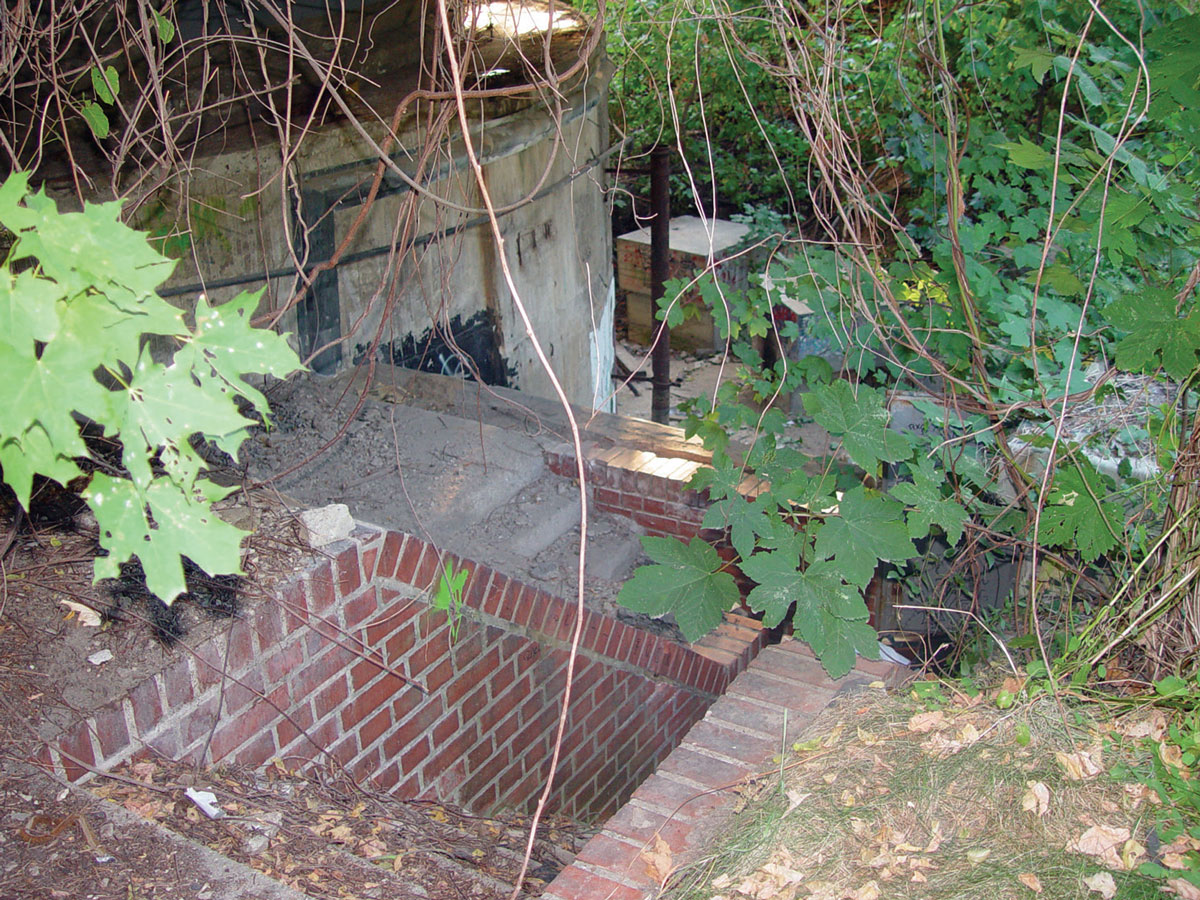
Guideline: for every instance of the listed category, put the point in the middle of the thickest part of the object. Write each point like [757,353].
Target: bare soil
[319,834]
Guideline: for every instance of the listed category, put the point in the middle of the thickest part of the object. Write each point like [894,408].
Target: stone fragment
[327,524]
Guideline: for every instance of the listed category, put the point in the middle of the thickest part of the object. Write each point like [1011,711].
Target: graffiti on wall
[463,350]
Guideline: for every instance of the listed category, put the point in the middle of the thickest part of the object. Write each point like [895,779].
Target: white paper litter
[207,801]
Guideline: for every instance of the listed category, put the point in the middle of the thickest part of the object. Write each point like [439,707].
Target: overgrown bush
[1044,241]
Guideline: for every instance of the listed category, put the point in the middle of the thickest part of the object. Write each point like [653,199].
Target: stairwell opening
[352,664]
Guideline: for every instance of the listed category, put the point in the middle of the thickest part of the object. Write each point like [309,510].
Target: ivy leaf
[1156,332]
[96,119]
[929,507]
[1028,155]
[868,527]
[1072,516]
[861,421]
[685,581]
[164,26]
[107,92]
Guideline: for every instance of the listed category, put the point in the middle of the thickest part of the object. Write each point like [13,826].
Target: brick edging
[349,663]
[692,793]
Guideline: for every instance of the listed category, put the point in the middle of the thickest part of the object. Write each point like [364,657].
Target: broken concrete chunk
[327,524]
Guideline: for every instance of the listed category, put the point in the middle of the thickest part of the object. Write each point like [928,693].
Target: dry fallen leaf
[1104,842]
[1153,726]
[1132,854]
[1080,765]
[659,862]
[935,837]
[88,617]
[1013,685]
[977,855]
[869,891]
[794,798]
[1030,881]
[1171,755]
[1184,889]
[923,723]
[1139,794]
[1102,883]
[1036,799]
[372,849]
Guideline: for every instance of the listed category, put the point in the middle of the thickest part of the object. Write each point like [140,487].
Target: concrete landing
[476,486]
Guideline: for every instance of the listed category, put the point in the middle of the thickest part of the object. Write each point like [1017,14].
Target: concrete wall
[247,230]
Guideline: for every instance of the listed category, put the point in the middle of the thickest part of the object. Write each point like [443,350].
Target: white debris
[327,524]
[207,801]
[100,657]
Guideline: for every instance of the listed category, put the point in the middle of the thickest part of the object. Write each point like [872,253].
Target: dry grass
[888,797]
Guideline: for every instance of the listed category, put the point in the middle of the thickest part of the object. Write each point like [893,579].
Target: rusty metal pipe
[660,265]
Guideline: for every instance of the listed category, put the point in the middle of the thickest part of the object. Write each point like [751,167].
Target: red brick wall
[348,663]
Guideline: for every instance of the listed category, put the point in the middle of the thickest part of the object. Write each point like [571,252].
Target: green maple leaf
[686,582]
[224,346]
[830,614]
[868,527]
[34,393]
[93,250]
[74,344]
[929,507]
[744,519]
[837,642]
[1157,334]
[1072,517]
[34,317]
[30,454]
[861,421]
[180,523]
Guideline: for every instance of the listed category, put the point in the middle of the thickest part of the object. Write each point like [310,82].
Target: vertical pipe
[660,261]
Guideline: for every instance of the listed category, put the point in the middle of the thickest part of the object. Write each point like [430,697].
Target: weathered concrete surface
[477,489]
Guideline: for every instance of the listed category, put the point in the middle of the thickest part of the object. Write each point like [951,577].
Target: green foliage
[692,78]
[76,348]
[860,419]
[449,596]
[1030,249]
[685,580]
[1075,518]
[1170,771]
[106,85]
